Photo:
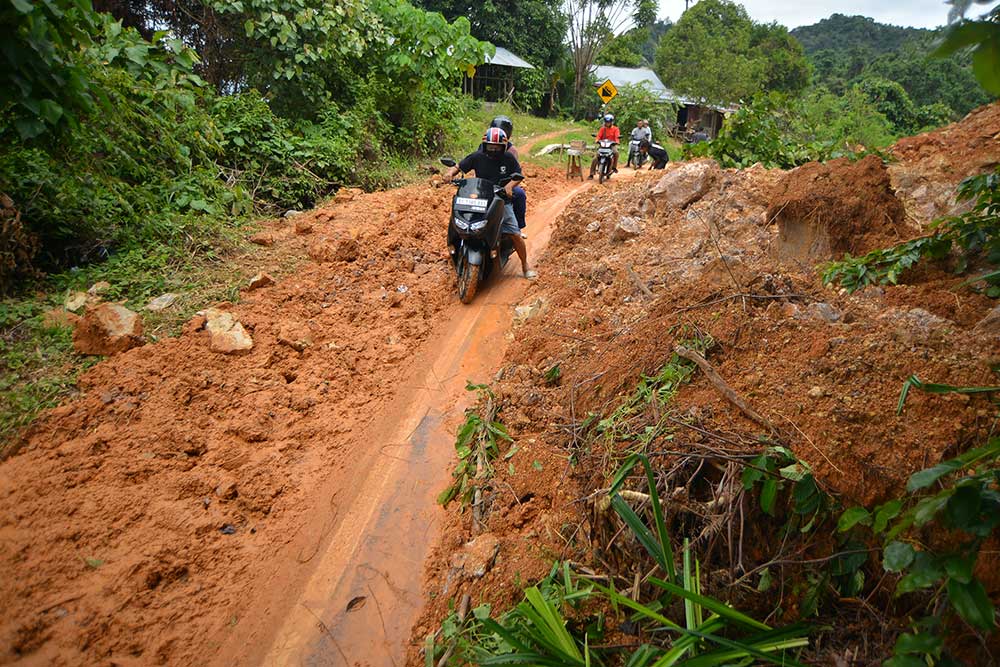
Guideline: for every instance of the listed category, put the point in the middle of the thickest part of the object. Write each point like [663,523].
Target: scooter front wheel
[468,280]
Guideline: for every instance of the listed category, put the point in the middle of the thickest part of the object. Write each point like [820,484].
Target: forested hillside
[845,50]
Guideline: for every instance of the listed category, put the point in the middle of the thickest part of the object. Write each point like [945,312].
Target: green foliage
[707,54]
[785,67]
[658,546]
[533,29]
[637,101]
[658,389]
[624,50]
[958,495]
[717,53]
[303,53]
[974,234]
[139,167]
[784,132]
[551,626]
[891,100]
[477,447]
[913,382]
[846,49]
[43,80]
[983,38]
[35,368]
[780,475]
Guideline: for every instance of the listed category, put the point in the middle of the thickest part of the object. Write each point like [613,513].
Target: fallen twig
[639,282]
[463,609]
[721,386]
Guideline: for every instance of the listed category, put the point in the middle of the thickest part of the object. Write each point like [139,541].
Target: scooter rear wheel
[468,281]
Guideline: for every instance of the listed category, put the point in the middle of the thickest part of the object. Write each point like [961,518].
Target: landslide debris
[734,263]
[140,520]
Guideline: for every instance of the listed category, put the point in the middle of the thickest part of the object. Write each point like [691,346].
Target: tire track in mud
[385,513]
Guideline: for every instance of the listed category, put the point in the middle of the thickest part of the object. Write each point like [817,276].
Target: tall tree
[533,29]
[707,53]
[717,53]
[590,24]
[786,68]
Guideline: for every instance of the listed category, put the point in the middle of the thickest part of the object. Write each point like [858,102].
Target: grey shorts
[509,223]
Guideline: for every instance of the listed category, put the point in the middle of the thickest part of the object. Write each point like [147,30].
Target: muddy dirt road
[388,522]
[195,507]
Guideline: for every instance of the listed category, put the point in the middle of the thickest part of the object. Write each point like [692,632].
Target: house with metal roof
[691,113]
[494,80]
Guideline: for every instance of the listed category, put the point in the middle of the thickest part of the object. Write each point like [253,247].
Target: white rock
[162,302]
[627,228]
[226,334]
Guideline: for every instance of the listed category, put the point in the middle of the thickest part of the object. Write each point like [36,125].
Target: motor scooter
[478,249]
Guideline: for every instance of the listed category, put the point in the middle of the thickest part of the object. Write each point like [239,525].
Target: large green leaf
[925,478]
[852,517]
[897,556]
[972,604]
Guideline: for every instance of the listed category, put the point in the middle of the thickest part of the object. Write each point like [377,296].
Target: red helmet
[495,141]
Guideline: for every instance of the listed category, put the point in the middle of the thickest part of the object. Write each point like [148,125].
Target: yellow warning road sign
[607,91]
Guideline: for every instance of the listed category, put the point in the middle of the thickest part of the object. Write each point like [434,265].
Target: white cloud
[794,13]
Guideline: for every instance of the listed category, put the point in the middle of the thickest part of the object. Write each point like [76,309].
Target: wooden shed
[494,80]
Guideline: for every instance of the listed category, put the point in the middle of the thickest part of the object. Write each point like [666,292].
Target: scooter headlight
[476,226]
[461,224]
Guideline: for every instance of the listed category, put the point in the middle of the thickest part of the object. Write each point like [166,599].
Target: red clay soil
[824,367]
[930,165]
[139,520]
[837,207]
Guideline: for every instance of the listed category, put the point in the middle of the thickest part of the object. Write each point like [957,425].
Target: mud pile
[138,519]
[643,264]
[826,210]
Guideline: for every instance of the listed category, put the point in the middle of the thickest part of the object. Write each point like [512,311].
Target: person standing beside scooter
[610,132]
[637,135]
[494,163]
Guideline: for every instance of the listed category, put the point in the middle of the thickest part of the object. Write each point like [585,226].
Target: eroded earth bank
[726,261]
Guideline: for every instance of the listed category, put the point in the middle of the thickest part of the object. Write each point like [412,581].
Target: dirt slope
[732,255]
[139,522]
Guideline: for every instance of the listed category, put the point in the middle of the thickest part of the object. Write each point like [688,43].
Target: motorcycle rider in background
[610,132]
[494,163]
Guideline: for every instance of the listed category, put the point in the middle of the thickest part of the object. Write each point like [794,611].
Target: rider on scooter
[520,199]
[494,163]
[608,131]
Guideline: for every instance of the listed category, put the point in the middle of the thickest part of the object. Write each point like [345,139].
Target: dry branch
[639,282]
[721,386]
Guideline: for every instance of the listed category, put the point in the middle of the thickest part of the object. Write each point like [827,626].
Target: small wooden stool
[574,158]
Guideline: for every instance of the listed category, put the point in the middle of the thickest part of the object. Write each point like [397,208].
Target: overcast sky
[793,13]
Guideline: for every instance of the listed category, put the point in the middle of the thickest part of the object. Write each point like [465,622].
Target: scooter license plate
[475,204]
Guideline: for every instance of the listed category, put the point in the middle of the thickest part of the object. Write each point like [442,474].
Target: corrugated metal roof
[643,75]
[630,75]
[508,59]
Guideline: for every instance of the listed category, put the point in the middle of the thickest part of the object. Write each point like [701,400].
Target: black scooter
[605,158]
[477,247]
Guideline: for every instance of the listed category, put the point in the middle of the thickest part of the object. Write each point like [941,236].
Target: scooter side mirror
[517,178]
[448,161]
